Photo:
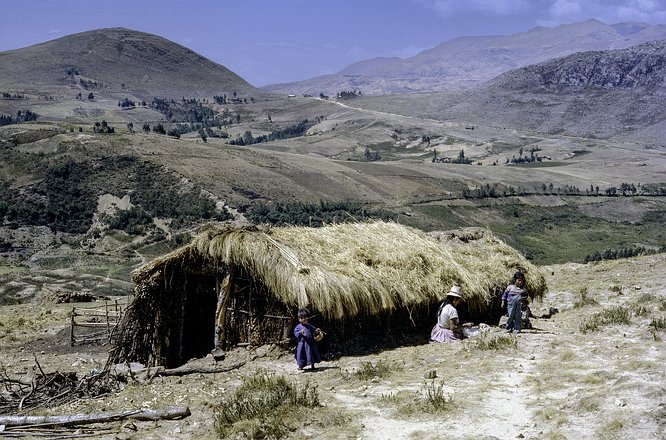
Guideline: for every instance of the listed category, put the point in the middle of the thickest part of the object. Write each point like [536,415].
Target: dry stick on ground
[185,370]
[168,413]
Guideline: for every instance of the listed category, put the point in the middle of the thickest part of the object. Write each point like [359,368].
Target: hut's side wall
[170,320]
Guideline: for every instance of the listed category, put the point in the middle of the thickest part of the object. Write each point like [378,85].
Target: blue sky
[270,41]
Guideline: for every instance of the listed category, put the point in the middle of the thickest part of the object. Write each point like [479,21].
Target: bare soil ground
[557,382]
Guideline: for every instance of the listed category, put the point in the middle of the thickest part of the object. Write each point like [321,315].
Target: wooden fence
[95,324]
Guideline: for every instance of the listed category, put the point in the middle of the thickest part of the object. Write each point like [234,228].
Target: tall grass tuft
[613,315]
[657,324]
[369,370]
[436,398]
[584,299]
[264,406]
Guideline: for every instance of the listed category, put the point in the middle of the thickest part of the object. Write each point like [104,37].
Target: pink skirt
[439,334]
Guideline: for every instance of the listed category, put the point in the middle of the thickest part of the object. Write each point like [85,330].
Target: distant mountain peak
[466,62]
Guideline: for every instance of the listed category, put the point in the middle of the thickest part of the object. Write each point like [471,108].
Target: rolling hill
[465,62]
[118,62]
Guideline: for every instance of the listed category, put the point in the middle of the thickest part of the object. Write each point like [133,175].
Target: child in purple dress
[307,352]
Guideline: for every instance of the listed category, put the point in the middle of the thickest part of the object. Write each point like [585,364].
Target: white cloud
[497,7]
[565,9]
[608,11]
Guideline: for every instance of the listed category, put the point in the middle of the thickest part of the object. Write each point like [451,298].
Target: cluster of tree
[66,197]
[525,159]
[103,127]
[313,214]
[187,110]
[89,85]
[347,94]
[6,95]
[625,189]
[223,100]
[134,221]
[461,159]
[126,103]
[292,131]
[91,96]
[370,155]
[616,254]
[21,116]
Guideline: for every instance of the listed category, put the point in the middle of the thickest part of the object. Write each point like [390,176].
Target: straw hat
[455,291]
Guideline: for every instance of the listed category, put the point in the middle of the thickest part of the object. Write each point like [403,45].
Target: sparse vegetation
[368,370]
[486,341]
[266,406]
[437,399]
[610,316]
[584,298]
[313,214]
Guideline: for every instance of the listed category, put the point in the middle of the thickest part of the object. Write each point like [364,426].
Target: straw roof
[350,269]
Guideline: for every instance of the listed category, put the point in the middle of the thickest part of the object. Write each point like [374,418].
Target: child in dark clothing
[526,314]
[307,352]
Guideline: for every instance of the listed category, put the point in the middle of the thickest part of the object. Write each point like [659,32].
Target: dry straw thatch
[363,268]
[348,270]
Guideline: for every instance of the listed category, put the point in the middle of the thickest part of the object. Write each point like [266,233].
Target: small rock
[520,435]
[218,354]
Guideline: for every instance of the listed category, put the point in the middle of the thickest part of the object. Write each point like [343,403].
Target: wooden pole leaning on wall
[223,296]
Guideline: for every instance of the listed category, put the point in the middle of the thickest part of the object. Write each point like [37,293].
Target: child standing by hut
[512,298]
[307,352]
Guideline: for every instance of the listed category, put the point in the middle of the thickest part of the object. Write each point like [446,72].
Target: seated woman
[448,329]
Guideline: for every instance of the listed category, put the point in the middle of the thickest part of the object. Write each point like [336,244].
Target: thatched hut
[243,285]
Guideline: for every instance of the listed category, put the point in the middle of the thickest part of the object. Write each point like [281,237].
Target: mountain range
[465,62]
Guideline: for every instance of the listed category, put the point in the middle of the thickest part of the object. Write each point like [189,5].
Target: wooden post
[71,332]
[223,296]
[106,308]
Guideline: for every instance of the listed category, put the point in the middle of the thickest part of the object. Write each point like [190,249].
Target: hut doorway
[197,320]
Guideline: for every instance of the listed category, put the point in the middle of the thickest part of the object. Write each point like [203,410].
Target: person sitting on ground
[526,314]
[307,351]
[448,327]
[512,298]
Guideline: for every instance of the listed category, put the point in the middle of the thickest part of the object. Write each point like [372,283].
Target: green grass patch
[613,315]
[546,234]
[266,406]
[486,341]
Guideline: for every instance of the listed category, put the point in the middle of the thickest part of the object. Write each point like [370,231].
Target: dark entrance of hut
[196,323]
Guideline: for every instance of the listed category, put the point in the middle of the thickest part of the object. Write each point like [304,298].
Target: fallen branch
[168,413]
[185,370]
